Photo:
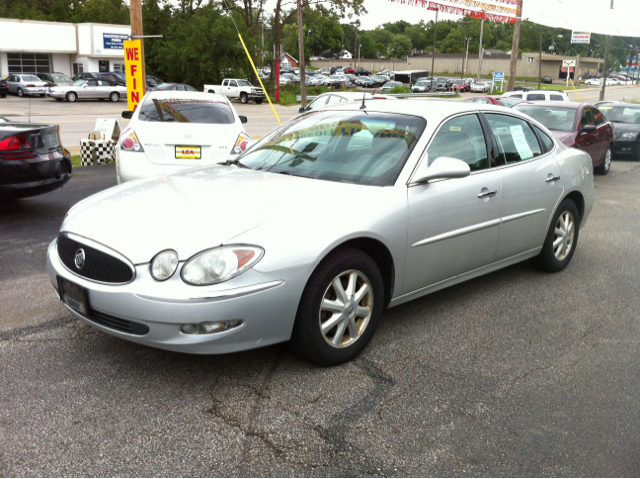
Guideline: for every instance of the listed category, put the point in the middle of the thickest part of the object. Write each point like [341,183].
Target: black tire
[547,260]
[4,95]
[211,91]
[71,96]
[307,339]
[259,101]
[244,98]
[20,92]
[41,95]
[604,167]
[58,99]
[114,96]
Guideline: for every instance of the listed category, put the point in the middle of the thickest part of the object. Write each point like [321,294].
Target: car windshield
[554,118]
[244,83]
[60,78]
[622,114]
[30,78]
[79,82]
[165,86]
[183,110]
[423,83]
[508,102]
[480,84]
[365,148]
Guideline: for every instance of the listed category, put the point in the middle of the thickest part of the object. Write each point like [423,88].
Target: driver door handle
[487,194]
[551,179]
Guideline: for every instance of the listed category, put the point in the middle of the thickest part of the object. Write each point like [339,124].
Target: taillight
[130,141]
[30,86]
[16,148]
[241,144]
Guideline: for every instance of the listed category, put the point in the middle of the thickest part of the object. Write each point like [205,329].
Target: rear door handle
[487,194]
[551,179]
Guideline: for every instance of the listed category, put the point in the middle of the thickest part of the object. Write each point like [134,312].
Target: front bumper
[626,148]
[265,302]
[56,94]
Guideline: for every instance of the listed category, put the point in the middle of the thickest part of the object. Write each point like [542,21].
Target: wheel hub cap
[563,235]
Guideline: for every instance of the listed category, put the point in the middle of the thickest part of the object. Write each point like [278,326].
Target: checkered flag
[105,151]
[87,152]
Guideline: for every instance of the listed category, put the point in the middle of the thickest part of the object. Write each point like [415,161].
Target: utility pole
[480,53]
[303,77]
[464,39]
[433,51]
[514,47]
[606,63]
[135,8]
[540,62]
[466,59]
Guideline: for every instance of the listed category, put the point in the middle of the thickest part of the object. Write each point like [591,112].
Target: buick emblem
[79,258]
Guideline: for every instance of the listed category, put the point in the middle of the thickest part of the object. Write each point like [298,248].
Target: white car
[333,98]
[480,87]
[538,95]
[593,81]
[175,130]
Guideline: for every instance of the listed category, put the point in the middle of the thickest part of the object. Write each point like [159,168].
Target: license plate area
[188,152]
[73,295]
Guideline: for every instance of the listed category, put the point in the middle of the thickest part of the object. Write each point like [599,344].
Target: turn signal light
[130,141]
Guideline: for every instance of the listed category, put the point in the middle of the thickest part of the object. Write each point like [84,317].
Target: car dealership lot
[515,373]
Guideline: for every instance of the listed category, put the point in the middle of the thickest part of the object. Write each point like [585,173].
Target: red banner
[465,12]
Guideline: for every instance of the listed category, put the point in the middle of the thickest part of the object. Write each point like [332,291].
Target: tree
[368,48]
[400,47]
[416,34]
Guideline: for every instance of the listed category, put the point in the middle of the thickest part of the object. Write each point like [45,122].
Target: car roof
[186,95]
[537,91]
[559,104]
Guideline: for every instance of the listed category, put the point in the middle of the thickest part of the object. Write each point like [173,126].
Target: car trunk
[171,143]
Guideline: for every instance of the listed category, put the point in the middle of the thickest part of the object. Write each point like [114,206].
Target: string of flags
[488,11]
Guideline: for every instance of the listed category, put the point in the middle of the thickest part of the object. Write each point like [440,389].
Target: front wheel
[339,309]
[603,168]
[561,240]
[20,92]
[71,96]
[115,96]
[259,101]
[41,95]
[244,98]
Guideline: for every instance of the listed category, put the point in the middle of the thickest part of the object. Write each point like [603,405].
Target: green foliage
[400,47]
[399,89]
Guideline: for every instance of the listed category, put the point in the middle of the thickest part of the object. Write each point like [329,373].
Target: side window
[190,88]
[461,138]
[318,102]
[233,83]
[598,116]
[225,83]
[516,96]
[587,117]
[92,83]
[556,98]
[516,140]
[182,88]
[547,143]
[535,97]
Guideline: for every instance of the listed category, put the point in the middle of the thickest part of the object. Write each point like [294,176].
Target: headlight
[220,264]
[629,135]
[164,264]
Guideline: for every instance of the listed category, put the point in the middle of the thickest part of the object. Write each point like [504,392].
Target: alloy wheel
[607,159]
[346,308]
[563,235]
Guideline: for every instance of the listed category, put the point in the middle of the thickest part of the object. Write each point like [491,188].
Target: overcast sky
[588,15]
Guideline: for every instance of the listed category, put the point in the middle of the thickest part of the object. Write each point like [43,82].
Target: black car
[546,80]
[111,78]
[362,72]
[365,82]
[174,87]
[625,119]
[4,89]
[32,160]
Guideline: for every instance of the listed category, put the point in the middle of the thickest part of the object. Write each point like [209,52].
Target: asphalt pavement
[517,373]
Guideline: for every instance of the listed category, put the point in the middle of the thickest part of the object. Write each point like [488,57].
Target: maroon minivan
[578,125]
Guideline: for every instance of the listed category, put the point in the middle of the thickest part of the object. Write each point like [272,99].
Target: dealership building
[28,46]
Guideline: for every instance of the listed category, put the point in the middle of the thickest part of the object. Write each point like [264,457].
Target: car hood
[566,137]
[619,128]
[202,208]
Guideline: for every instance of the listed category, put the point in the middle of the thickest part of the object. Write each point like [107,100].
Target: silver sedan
[88,90]
[321,225]
[26,85]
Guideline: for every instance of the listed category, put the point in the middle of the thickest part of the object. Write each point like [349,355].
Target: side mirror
[127,115]
[589,128]
[443,168]
[243,119]
[301,110]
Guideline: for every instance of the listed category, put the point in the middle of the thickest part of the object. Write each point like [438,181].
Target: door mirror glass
[127,115]
[243,119]
[589,128]
[442,168]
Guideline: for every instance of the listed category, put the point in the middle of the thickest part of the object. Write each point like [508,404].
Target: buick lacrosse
[317,228]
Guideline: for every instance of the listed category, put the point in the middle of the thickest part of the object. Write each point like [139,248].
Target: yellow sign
[133,68]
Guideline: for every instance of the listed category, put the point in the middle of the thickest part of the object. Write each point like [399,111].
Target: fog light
[210,327]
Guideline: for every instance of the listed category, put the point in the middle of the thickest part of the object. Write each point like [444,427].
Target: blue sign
[498,77]
[114,41]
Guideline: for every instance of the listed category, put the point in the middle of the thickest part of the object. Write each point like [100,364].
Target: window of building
[118,67]
[286,64]
[29,63]
[78,68]
[530,59]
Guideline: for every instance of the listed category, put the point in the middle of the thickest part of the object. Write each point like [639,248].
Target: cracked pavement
[517,373]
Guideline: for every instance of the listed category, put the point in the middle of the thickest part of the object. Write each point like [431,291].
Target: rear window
[536,97]
[556,98]
[554,118]
[30,78]
[186,111]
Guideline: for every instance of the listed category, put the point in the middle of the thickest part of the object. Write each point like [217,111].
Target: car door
[587,140]
[89,90]
[454,223]
[11,83]
[604,134]
[529,175]
[233,89]
[103,89]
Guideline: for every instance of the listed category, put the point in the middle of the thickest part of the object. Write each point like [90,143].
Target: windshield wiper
[235,162]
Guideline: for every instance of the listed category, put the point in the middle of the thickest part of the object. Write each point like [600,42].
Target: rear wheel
[339,309]
[259,101]
[20,92]
[603,168]
[41,95]
[244,98]
[561,240]
[71,96]
[58,99]
[115,96]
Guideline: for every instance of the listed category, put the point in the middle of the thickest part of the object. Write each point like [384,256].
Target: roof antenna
[363,106]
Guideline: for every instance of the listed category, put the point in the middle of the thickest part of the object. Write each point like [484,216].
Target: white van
[538,95]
